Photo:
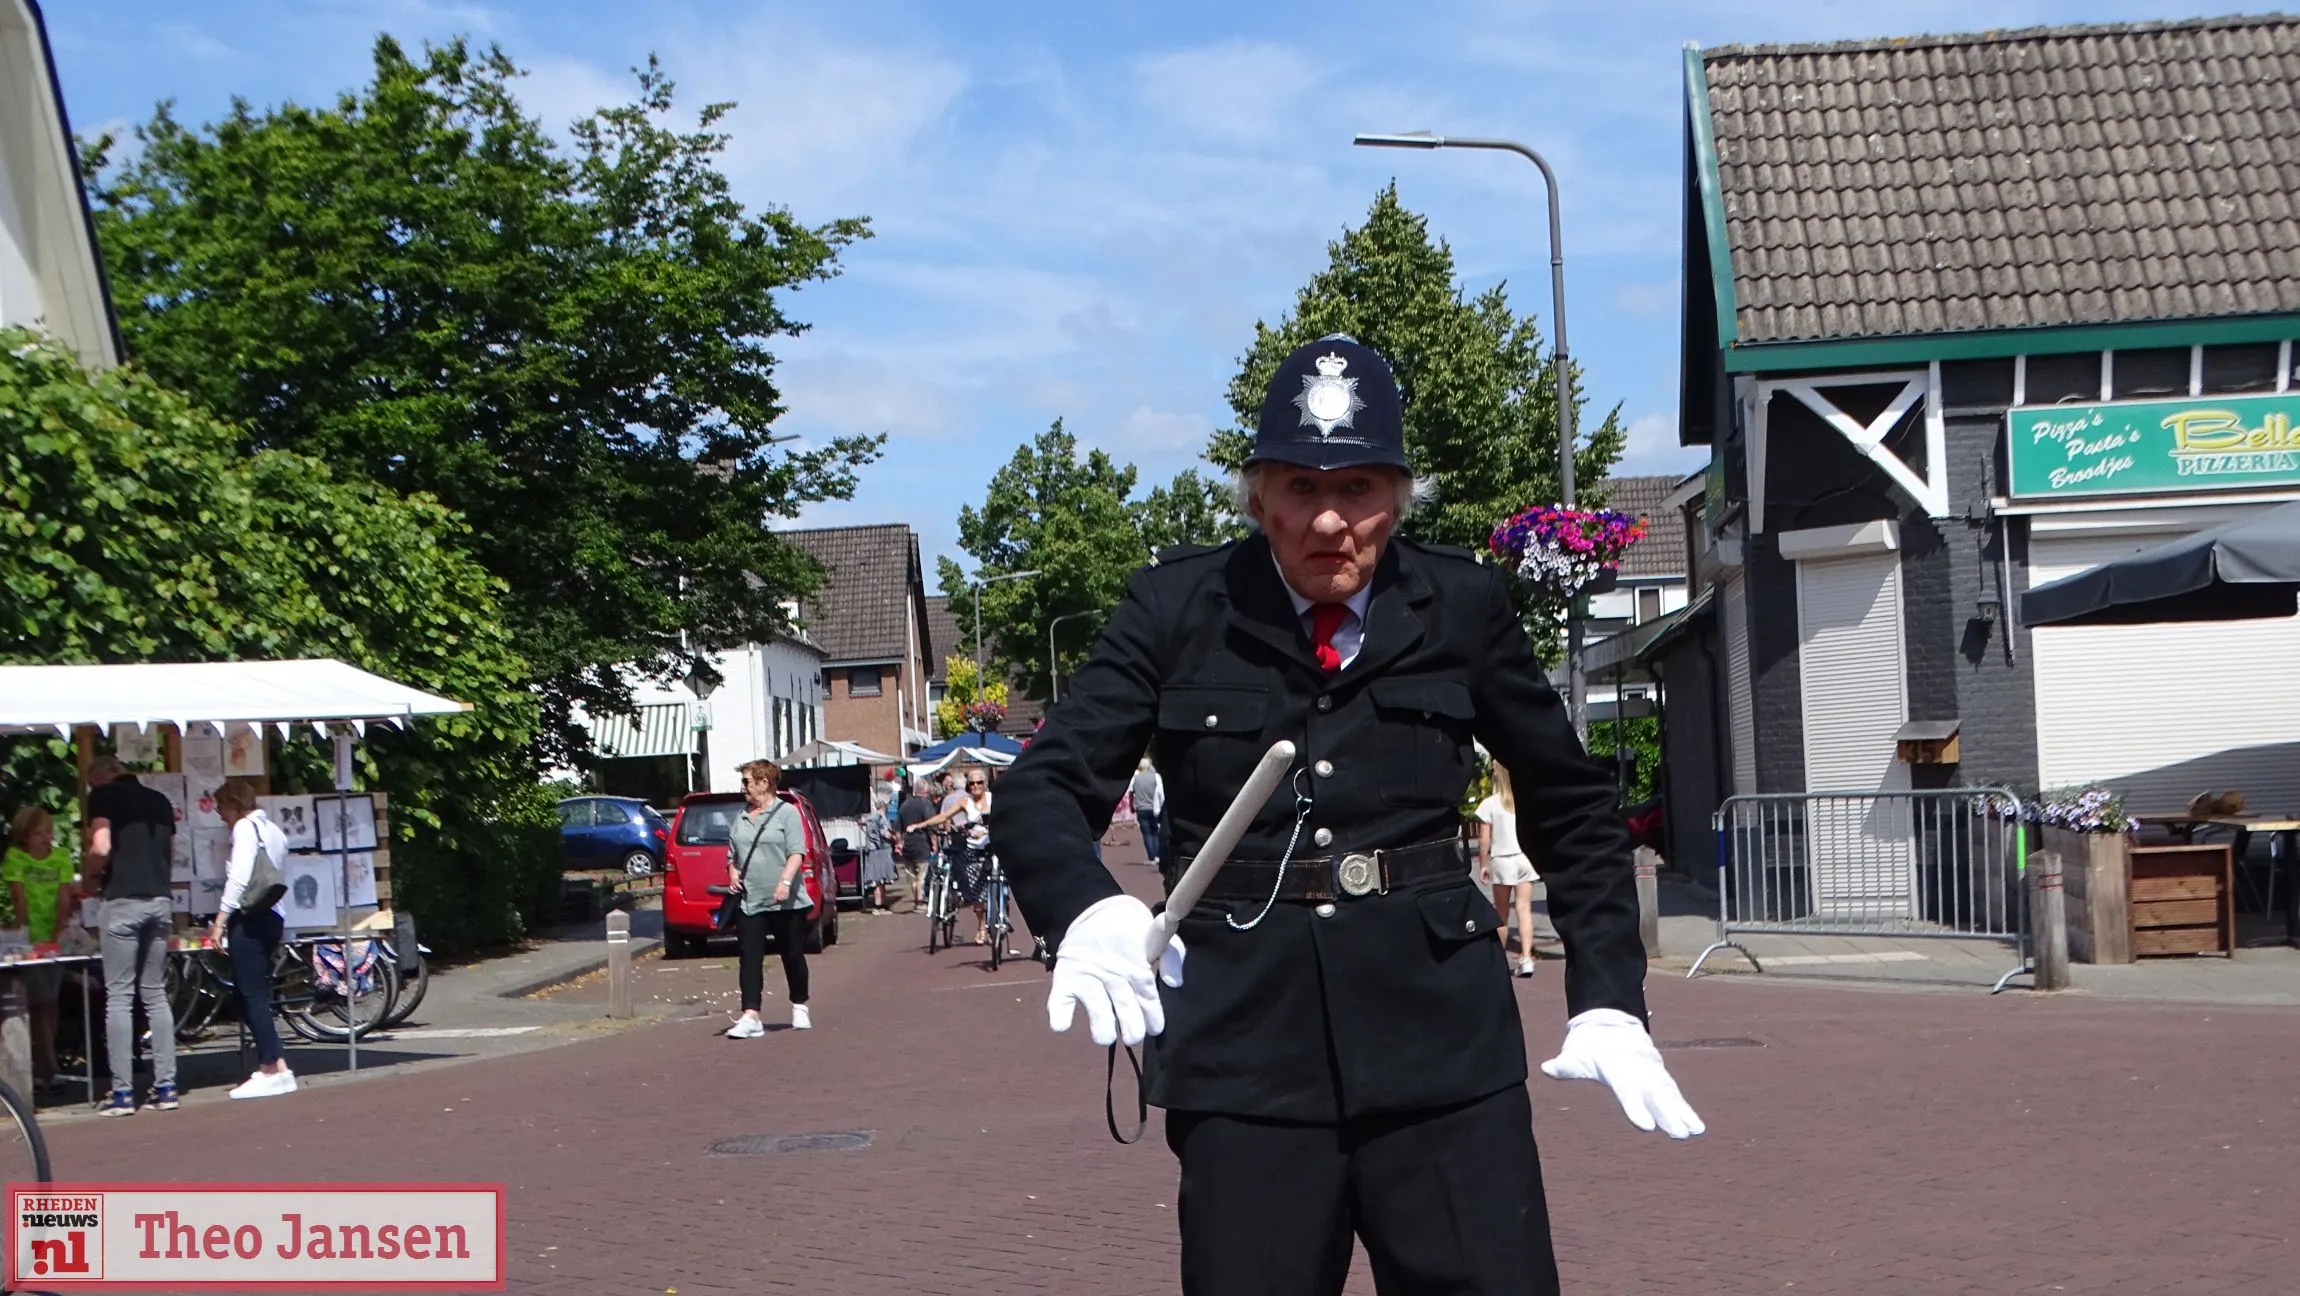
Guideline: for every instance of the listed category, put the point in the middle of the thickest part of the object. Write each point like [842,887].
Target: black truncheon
[1392,1002]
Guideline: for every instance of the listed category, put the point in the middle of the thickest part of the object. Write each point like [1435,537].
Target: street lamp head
[1402,139]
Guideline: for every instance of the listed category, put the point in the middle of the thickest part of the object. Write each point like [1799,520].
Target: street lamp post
[1053,671]
[1567,435]
[980,581]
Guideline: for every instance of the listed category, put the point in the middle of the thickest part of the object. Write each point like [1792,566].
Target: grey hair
[1413,493]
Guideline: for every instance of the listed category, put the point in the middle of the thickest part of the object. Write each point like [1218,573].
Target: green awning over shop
[660,729]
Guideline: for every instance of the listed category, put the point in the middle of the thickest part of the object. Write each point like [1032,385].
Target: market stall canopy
[961,756]
[831,751]
[319,691]
[2246,570]
[972,741]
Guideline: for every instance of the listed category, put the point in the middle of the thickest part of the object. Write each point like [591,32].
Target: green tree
[1191,509]
[959,689]
[137,530]
[1480,391]
[1062,514]
[569,346]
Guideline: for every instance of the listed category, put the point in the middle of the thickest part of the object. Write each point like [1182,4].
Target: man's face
[1327,529]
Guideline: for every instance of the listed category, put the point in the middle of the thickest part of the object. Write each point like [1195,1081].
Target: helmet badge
[1328,400]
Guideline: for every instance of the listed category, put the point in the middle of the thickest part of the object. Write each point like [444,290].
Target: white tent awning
[317,691]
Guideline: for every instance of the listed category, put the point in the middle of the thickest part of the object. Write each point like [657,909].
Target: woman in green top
[39,877]
[766,852]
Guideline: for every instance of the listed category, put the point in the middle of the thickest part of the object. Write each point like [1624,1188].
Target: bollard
[1649,901]
[619,964]
[2051,921]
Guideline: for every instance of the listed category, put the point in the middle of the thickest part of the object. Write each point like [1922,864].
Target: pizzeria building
[1964,315]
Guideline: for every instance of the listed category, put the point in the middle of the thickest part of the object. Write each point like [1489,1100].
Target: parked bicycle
[321,995]
[23,1151]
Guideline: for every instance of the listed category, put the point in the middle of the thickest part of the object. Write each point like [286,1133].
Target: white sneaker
[799,1018]
[1525,967]
[746,1028]
[260,1085]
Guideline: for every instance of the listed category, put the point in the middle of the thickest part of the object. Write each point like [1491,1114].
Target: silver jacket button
[1325,704]
[1469,926]
[1324,911]
[1211,721]
[1325,769]
[1323,837]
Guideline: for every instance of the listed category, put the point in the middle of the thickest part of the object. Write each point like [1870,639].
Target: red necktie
[1325,620]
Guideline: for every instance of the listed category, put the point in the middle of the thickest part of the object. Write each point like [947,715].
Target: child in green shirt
[38,875]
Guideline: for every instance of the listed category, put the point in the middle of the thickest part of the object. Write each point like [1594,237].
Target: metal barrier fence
[1944,863]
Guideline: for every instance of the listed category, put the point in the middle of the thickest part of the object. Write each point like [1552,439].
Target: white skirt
[1509,870]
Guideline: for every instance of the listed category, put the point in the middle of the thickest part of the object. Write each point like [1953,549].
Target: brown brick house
[870,617]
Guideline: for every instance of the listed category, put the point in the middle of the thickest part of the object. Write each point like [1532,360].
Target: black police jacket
[1395,1001]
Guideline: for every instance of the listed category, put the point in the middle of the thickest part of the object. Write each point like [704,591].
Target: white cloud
[1237,90]
[191,42]
[1153,434]
[1650,448]
[846,394]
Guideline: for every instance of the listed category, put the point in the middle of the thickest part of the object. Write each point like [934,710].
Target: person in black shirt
[917,842]
[131,839]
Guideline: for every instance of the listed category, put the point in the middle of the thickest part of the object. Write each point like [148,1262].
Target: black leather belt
[1320,878]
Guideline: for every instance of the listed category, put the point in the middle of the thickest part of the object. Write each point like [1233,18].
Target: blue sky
[1081,209]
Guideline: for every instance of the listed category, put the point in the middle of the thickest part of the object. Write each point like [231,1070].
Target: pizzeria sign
[2159,447]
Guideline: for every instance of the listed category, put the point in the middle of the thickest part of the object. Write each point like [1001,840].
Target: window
[863,681]
[1648,605]
[574,814]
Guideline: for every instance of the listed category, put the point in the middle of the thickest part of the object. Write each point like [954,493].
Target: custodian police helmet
[1332,404]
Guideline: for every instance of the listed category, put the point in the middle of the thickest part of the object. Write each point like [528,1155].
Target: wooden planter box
[2183,900]
[2095,872]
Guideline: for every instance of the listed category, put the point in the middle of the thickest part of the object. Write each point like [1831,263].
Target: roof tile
[2069,175]
[862,611]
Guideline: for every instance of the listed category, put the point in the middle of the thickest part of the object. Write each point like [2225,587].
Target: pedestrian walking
[1149,793]
[1508,871]
[766,853]
[878,870]
[1345,1054]
[131,833]
[251,935]
[917,839]
[965,818]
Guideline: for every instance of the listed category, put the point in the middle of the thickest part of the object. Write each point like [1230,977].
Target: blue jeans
[1151,834]
[255,939]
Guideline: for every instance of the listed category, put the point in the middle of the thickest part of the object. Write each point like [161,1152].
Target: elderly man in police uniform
[1337,1046]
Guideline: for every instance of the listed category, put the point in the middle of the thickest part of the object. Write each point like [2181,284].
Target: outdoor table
[16,1024]
[2283,855]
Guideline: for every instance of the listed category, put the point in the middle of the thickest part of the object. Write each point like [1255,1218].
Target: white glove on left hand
[1610,1045]
[1100,966]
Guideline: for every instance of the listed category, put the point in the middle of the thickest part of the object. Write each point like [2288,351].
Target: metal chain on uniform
[1303,803]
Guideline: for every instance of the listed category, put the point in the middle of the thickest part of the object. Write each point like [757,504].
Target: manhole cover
[1726,1042]
[770,1144]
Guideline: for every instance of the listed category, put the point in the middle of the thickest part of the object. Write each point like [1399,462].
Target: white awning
[142,694]
[659,729]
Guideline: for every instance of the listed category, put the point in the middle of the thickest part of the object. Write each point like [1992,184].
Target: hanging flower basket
[1566,550]
[985,716]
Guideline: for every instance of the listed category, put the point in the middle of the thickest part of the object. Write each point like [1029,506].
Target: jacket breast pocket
[1424,726]
[1211,735]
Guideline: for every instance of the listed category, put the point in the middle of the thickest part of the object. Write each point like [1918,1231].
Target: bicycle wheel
[23,1152]
[994,918]
[410,995]
[329,1014]
[937,899]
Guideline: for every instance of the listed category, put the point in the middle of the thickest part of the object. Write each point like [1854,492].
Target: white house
[50,277]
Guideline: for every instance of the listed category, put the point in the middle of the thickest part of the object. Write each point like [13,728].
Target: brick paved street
[1868,1141]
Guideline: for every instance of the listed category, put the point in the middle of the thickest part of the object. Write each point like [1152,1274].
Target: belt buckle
[1358,875]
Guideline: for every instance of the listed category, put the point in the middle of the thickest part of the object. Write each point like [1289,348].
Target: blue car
[612,832]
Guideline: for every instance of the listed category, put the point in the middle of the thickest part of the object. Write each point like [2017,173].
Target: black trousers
[789,928]
[1448,1201]
[254,940]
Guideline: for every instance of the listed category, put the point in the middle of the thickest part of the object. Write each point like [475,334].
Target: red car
[696,861]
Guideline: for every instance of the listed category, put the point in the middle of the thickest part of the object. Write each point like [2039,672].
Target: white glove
[1100,967]
[1610,1045]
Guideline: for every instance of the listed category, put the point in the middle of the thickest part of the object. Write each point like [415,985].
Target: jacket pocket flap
[1458,913]
[1438,697]
[1213,710]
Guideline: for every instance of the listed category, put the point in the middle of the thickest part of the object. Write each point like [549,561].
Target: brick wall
[875,722]
[1995,699]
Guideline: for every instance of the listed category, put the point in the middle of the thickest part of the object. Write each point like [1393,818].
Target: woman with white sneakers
[1507,868]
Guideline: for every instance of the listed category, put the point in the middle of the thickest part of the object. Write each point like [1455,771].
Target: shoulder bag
[265,886]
